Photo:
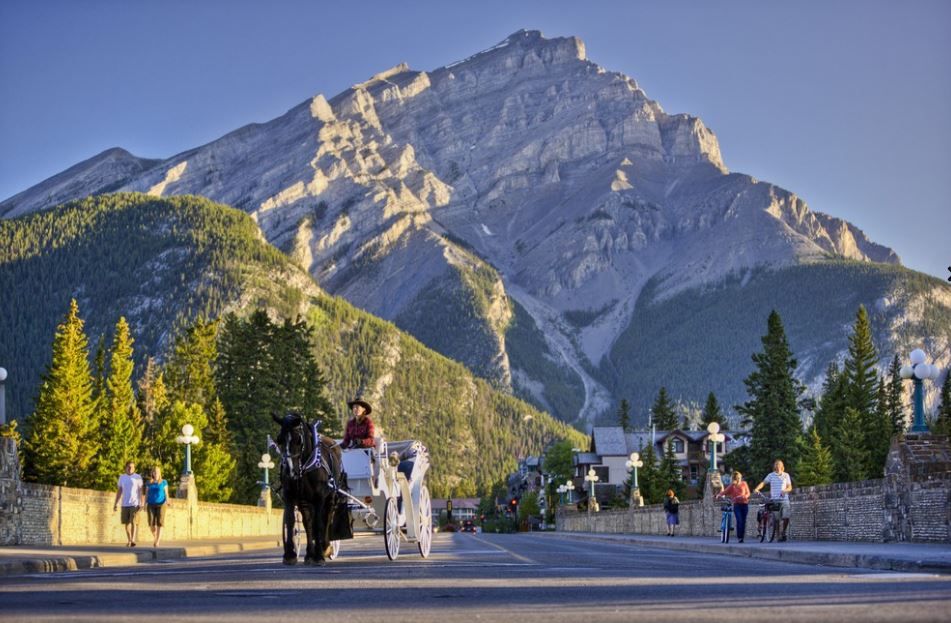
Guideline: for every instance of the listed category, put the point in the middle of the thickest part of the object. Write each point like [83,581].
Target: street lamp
[715,436]
[591,477]
[632,464]
[918,371]
[569,488]
[266,464]
[561,493]
[188,439]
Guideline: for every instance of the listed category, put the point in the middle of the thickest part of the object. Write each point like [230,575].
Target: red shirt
[360,434]
[738,492]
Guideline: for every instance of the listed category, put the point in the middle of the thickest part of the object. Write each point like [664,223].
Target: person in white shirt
[780,486]
[132,496]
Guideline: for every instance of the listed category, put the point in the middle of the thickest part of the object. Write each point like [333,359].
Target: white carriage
[386,500]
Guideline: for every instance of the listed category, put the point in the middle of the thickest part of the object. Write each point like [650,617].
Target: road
[522,578]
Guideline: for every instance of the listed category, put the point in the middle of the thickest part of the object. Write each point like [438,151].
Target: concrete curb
[774,552]
[55,563]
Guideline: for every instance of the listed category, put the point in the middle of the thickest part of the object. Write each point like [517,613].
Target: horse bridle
[289,459]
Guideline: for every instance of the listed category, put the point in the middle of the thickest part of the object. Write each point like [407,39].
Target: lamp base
[265,498]
[187,489]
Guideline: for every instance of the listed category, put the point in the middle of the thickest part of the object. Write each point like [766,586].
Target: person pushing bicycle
[780,486]
[739,494]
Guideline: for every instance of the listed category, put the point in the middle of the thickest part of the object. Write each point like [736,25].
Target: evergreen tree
[942,422]
[153,402]
[63,432]
[831,404]
[99,395]
[121,427]
[713,413]
[190,369]
[895,398]
[649,478]
[879,435]
[671,475]
[851,461]
[663,415]
[862,380]
[624,415]
[773,407]
[815,465]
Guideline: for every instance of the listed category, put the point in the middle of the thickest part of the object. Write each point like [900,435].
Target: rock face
[524,171]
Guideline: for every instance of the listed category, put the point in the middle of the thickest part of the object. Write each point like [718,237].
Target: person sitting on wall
[359,432]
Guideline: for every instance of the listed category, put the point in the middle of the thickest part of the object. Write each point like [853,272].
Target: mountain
[162,261]
[519,211]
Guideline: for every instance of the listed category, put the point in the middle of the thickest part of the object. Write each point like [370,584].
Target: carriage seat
[358,465]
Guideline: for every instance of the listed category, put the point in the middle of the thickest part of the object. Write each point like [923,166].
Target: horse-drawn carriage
[383,491]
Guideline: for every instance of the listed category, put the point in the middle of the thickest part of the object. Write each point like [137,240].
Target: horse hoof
[290,561]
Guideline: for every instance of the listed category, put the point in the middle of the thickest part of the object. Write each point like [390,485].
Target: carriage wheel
[334,550]
[425,531]
[391,529]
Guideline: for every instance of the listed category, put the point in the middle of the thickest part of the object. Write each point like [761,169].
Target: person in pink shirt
[739,493]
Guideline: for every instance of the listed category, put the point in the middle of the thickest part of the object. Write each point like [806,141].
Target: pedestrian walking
[132,497]
[156,497]
[780,486]
[739,494]
[672,509]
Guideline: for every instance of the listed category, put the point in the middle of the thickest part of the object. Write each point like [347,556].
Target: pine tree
[624,415]
[153,402]
[815,465]
[851,461]
[713,413]
[880,431]
[671,475]
[831,404]
[190,369]
[121,427]
[773,407]
[942,422]
[99,395]
[895,398]
[663,415]
[64,435]
[649,479]
[859,367]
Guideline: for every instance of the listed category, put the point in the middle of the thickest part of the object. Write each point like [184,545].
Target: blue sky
[844,102]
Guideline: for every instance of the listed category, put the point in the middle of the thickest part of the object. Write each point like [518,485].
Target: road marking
[506,550]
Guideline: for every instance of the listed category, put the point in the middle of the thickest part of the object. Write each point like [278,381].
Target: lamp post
[266,464]
[188,438]
[591,477]
[569,488]
[632,464]
[3,410]
[715,437]
[918,371]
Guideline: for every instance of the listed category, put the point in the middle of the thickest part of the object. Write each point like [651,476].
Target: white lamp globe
[265,458]
[917,356]
[3,375]
[187,430]
[922,371]
[906,371]
[713,428]
[635,457]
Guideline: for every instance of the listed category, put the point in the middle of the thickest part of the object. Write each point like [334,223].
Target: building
[462,509]
[611,448]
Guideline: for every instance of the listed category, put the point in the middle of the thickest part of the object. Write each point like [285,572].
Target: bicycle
[726,523]
[768,518]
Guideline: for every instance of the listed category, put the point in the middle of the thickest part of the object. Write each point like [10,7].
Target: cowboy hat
[363,403]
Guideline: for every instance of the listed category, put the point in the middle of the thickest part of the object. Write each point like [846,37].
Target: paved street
[522,577]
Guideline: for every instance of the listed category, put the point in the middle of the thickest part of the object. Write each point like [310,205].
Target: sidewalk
[17,560]
[924,557]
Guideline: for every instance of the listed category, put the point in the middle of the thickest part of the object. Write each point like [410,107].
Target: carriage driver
[359,432]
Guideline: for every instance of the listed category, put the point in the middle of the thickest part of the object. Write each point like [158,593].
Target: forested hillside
[162,262]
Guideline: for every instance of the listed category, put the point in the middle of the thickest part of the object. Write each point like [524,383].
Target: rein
[289,459]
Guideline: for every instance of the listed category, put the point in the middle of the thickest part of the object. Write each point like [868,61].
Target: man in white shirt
[132,496]
[780,486]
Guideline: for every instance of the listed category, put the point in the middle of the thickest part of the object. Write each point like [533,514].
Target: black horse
[310,471]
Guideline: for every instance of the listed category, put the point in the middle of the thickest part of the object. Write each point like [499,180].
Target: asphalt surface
[480,577]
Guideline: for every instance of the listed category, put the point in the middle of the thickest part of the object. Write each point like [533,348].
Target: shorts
[130,515]
[786,511]
[156,515]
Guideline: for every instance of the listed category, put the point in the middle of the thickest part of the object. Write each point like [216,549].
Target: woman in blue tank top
[156,495]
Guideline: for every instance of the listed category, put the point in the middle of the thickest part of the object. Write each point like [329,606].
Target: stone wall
[912,503]
[34,514]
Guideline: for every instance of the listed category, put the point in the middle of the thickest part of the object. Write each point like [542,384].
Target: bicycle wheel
[724,529]
[773,527]
[761,521]
[729,527]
